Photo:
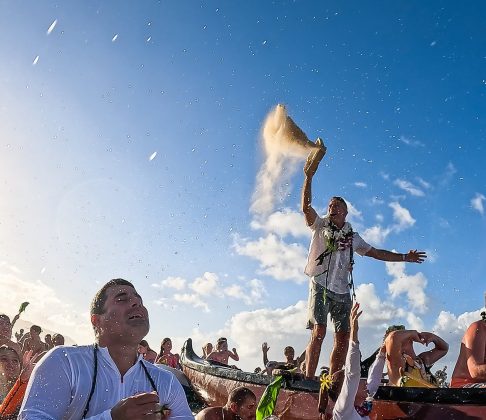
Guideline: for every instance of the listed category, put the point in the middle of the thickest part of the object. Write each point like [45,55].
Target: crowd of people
[43,378]
[120,323]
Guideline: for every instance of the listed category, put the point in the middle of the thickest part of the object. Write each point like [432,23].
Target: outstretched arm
[439,351]
[412,256]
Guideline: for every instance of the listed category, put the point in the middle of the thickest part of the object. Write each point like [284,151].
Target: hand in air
[144,406]
[415,256]
[265,347]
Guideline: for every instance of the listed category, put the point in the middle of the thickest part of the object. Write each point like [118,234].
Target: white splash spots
[36,59]
[149,39]
[51,28]
[152,156]
[43,270]
[433,43]
[114,38]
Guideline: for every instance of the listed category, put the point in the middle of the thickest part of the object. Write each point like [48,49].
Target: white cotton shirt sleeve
[375,374]
[344,408]
[360,246]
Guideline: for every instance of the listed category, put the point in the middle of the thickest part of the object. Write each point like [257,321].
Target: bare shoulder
[210,413]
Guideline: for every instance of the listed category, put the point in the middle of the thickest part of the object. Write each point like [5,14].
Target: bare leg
[339,351]
[314,350]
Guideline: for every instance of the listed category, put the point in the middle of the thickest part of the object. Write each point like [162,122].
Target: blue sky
[91,91]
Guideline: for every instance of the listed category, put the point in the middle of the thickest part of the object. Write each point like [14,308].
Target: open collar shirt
[61,382]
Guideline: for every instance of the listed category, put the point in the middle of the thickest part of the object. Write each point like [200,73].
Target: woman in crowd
[165,356]
[147,353]
[13,380]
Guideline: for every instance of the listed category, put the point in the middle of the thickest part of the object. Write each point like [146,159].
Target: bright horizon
[130,139]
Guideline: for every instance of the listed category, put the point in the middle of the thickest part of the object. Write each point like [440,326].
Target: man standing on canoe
[329,265]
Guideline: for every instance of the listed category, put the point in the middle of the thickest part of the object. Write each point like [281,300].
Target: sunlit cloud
[360,184]
[192,299]
[402,216]
[413,286]
[277,259]
[477,203]
[251,295]
[65,319]
[206,285]
[409,187]
[177,283]
[284,222]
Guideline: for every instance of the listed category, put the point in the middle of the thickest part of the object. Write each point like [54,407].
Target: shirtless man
[470,370]
[6,334]
[399,348]
[241,405]
[222,354]
[34,342]
[289,354]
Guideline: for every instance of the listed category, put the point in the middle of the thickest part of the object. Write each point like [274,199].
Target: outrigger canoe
[298,399]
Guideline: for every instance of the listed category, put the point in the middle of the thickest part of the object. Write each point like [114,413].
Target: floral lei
[336,238]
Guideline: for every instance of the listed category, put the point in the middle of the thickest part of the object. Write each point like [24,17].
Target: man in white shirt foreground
[107,380]
[354,401]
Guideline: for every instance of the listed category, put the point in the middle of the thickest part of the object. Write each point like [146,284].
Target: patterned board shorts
[336,304]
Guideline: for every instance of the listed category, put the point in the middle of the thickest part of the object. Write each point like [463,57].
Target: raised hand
[415,256]
[265,347]
[353,319]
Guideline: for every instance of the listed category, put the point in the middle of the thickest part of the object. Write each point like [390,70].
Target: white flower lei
[335,235]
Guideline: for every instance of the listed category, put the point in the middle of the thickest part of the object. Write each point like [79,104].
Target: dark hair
[239,395]
[340,199]
[162,346]
[6,317]
[221,340]
[98,302]
[6,347]
[36,328]
[143,343]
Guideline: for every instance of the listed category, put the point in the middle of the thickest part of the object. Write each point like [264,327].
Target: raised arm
[412,256]
[265,349]
[310,169]
[440,350]
[234,355]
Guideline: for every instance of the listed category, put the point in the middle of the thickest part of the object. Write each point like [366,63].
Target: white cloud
[376,235]
[254,292]
[360,184]
[376,311]
[448,174]
[411,142]
[192,299]
[207,284]
[402,216]
[177,283]
[477,202]
[283,223]
[424,183]
[409,187]
[277,259]
[413,286]
[65,319]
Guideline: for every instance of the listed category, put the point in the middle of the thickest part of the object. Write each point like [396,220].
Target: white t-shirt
[337,278]
[60,384]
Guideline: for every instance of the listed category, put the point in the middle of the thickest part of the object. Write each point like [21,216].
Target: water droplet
[51,28]
[36,59]
[114,38]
